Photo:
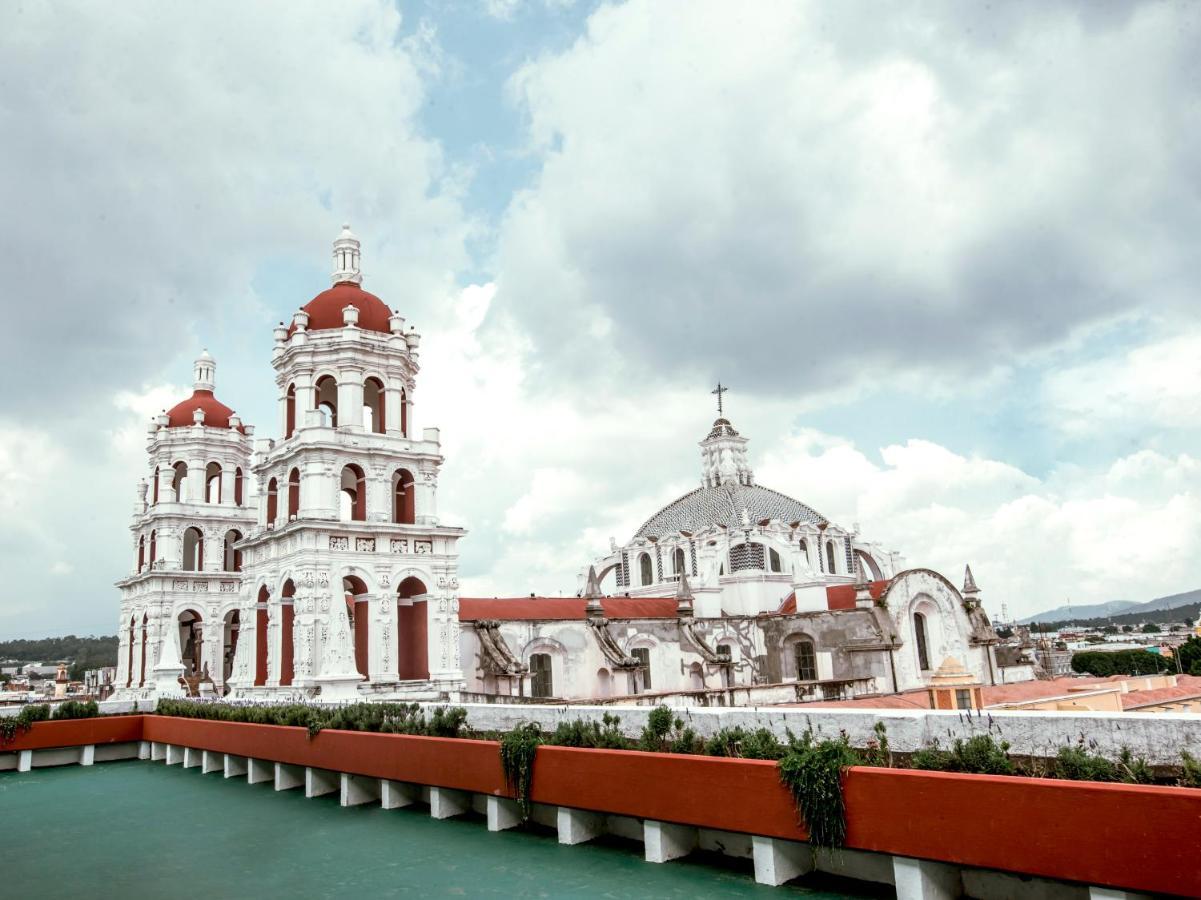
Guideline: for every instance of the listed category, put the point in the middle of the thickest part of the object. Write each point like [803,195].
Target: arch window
[678,560]
[773,560]
[404,497]
[726,672]
[293,494]
[153,548]
[325,400]
[141,552]
[353,494]
[272,501]
[412,629]
[643,655]
[290,412]
[260,636]
[229,644]
[191,643]
[373,406]
[543,682]
[830,566]
[129,662]
[645,571]
[604,682]
[805,659]
[192,559]
[404,413]
[232,561]
[287,654]
[922,640]
[179,482]
[804,545]
[145,636]
[154,490]
[212,483]
[360,620]
[238,486]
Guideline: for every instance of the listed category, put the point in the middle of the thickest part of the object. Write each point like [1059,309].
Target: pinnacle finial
[860,573]
[346,258]
[719,390]
[969,582]
[683,596]
[592,593]
[863,587]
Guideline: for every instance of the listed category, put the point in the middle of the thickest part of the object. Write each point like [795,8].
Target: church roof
[723,505]
[472,609]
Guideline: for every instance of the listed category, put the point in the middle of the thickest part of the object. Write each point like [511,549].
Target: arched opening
[287,651]
[154,490]
[804,547]
[153,548]
[604,683]
[129,663]
[260,637]
[373,405]
[141,551]
[727,672]
[870,565]
[191,644]
[272,501]
[293,494]
[542,680]
[238,486]
[774,562]
[412,629]
[193,550]
[696,677]
[232,561]
[179,482]
[353,495]
[643,655]
[145,635]
[357,607]
[229,644]
[404,497]
[645,571]
[404,413]
[325,400]
[922,640]
[677,561]
[830,565]
[212,483]
[290,412]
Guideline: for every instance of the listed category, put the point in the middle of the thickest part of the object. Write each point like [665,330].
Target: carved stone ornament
[400,545]
[385,579]
[339,542]
[364,545]
[423,548]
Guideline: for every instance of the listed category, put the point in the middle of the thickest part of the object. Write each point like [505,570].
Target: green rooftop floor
[140,829]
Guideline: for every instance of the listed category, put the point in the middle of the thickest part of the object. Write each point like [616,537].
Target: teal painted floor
[140,829]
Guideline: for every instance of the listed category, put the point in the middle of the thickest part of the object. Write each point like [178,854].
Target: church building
[315,566]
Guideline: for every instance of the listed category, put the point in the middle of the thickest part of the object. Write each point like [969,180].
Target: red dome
[325,310]
[216,413]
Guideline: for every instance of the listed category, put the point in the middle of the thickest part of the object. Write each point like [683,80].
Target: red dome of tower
[325,310]
[216,413]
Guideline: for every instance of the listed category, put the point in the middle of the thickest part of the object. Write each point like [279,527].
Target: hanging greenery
[812,771]
[518,749]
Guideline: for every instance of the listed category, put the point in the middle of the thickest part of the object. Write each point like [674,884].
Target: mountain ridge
[1112,608]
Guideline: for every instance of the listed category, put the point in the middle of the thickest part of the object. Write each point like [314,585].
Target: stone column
[382,660]
[195,492]
[442,611]
[426,504]
[350,398]
[166,475]
[227,484]
[392,409]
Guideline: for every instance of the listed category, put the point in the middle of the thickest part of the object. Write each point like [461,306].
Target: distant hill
[1113,608]
[83,652]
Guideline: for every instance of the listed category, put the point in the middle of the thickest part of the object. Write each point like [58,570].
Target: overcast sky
[945,255]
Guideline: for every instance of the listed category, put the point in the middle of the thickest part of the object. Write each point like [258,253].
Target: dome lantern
[346,258]
[204,372]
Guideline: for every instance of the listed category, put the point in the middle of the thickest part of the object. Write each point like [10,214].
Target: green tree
[1151,628]
[1128,628]
[1110,629]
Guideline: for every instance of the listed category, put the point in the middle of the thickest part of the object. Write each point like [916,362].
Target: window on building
[773,560]
[543,684]
[290,412]
[963,698]
[727,674]
[193,550]
[644,568]
[212,483]
[677,560]
[325,398]
[643,655]
[293,494]
[806,661]
[830,567]
[373,406]
[272,501]
[919,631]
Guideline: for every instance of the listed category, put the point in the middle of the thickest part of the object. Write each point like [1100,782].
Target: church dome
[723,504]
[325,310]
[216,413]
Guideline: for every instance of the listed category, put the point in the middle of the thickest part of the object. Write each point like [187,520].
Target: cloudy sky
[946,255]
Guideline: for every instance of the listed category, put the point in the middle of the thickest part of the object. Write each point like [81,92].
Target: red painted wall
[77,732]
[413,640]
[287,663]
[362,627]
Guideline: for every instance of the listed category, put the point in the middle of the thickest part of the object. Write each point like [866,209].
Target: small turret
[204,372]
[346,258]
[971,593]
[683,597]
